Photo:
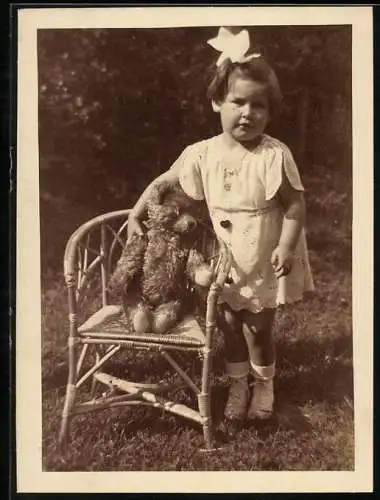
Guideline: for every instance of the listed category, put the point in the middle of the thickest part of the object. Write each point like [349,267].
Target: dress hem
[305,295]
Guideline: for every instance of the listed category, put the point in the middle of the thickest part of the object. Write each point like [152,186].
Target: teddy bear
[156,272]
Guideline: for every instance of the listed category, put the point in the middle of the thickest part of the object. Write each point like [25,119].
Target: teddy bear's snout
[185,224]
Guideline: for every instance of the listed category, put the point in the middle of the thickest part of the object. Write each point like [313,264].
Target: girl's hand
[282,260]
[134,227]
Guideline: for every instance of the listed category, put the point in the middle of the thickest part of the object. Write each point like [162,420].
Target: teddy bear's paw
[142,321]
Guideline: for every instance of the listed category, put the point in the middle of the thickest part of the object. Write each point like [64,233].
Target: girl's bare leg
[237,368]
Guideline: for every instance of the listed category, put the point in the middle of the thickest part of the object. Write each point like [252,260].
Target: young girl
[255,198]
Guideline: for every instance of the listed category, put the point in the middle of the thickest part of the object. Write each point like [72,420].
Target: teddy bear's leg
[165,316]
[128,267]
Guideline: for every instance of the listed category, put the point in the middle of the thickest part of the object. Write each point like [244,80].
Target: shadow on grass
[286,416]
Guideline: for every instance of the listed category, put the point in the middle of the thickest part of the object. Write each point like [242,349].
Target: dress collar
[235,151]
[234,146]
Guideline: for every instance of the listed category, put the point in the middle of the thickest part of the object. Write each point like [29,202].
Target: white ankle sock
[263,373]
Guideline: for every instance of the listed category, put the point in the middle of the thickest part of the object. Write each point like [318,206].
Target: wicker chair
[90,256]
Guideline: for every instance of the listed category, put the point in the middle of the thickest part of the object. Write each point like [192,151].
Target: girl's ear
[215,106]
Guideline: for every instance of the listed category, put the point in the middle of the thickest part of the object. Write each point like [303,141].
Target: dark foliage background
[117,106]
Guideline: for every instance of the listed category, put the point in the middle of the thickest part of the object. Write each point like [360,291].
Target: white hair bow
[232,46]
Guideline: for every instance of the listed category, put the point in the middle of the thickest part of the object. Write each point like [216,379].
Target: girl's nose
[246,109]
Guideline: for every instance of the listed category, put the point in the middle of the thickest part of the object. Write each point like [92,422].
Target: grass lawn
[314,424]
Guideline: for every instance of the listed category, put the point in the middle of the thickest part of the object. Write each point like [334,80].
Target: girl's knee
[257,330]
[234,342]
[258,324]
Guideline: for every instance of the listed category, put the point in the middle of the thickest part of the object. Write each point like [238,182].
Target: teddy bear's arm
[129,265]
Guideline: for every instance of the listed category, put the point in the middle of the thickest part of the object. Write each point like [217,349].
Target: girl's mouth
[246,126]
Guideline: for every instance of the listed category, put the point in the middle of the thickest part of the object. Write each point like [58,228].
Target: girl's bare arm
[293,203]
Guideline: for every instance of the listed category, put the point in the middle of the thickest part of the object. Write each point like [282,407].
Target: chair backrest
[90,253]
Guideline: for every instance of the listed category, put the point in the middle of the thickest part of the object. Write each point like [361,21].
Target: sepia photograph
[191,205]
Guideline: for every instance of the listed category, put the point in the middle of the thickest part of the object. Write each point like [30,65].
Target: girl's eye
[258,105]
[239,102]
[253,105]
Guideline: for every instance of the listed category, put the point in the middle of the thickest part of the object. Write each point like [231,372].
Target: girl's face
[244,112]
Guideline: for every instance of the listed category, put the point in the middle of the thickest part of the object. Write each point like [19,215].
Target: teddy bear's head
[169,207]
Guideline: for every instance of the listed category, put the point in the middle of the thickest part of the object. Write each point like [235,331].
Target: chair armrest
[224,264]
[221,272]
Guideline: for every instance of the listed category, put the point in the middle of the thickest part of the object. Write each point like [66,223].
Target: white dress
[240,188]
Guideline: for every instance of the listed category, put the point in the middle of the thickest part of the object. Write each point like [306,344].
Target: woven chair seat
[110,322]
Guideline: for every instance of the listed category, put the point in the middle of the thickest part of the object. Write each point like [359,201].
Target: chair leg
[207,433]
[70,396]
[204,398]
[205,411]
[67,415]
